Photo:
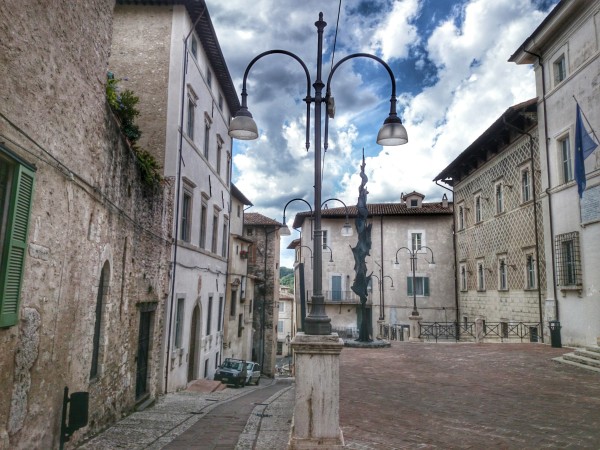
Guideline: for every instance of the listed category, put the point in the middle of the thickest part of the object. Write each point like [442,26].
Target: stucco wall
[89,208]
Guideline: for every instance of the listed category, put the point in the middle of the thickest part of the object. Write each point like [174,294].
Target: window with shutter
[16,191]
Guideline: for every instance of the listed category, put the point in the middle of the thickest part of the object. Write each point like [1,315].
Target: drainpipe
[551,224]
[535,222]
[456,304]
[382,314]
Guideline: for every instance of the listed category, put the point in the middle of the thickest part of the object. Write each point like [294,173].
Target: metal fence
[346,332]
[467,331]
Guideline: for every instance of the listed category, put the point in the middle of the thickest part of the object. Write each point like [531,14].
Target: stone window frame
[560,67]
[409,239]
[499,197]
[207,126]
[502,272]
[185,220]
[564,155]
[477,207]
[192,103]
[480,264]
[526,188]
[530,270]
[203,220]
[220,143]
[461,216]
[463,279]
[568,261]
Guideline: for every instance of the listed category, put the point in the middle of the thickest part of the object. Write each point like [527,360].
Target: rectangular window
[478,215]
[499,190]
[502,280]
[324,239]
[209,315]
[525,185]
[215,234]
[461,217]
[206,139]
[233,309]
[186,215]
[16,195]
[421,285]
[224,241]
[463,277]
[281,307]
[191,112]
[179,321]
[280,327]
[208,77]
[219,151]
[220,102]
[560,69]
[480,276]
[194,47]
[240,325]
[568,259]
[220,322]
[530,272]
[566,159]
[203,219]
[416,241]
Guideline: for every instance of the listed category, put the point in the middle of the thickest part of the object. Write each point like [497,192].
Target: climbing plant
[123,105]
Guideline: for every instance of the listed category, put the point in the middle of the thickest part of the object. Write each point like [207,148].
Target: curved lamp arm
[432,263]
[310,250]
[347,228]
[410,252]
[391,279]
[392,132]
[242,126]
[330,250]
[285,231]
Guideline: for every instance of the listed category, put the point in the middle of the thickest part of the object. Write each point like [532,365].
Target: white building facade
[565,53]
[169,57]
[397,230]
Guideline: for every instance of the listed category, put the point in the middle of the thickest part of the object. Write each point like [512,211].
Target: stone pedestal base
[415,330]
[317,408]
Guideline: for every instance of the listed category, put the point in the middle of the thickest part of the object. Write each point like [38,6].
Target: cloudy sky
[449,58]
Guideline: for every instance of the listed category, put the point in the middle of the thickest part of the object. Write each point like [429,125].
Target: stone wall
[89,211]
[266,297]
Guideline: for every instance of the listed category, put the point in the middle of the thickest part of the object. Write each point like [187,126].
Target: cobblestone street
[507,396]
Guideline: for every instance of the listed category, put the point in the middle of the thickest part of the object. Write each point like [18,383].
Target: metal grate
[568,259]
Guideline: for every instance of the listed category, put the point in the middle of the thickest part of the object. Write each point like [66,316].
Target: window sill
[481,290]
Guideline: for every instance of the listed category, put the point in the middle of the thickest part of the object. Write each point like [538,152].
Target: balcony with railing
[339,298]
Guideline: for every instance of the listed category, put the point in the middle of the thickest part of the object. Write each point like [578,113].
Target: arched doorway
[195,327]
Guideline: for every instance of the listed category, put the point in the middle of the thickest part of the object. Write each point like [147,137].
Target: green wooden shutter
[409,286]
[13,258]
[426,286]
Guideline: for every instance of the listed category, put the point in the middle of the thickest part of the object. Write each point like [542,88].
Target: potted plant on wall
[244,254]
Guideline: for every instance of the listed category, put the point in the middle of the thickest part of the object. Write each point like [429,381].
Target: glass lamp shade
[284,231]
[396,265]
[347,230]
[432,265]
[392,133]
[243,126]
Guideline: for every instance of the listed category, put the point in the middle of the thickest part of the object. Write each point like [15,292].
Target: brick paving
[467,396]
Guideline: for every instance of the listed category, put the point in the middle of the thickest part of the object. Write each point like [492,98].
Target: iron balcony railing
[466,331]
[338,297]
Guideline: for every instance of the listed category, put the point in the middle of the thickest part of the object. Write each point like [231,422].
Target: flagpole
[586,119]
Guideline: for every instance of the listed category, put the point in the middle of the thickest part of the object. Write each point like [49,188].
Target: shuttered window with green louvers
[16,193]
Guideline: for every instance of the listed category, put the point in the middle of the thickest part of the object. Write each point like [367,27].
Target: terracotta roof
[208,38]
[258,219]
[379,209]
[494,140]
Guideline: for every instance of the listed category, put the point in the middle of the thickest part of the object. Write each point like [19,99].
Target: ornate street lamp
[392,133]
[413,262]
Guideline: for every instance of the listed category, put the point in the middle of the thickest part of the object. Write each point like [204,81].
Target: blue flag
[584,146]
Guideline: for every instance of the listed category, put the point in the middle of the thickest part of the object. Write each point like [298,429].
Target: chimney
[444,201]
[402,198]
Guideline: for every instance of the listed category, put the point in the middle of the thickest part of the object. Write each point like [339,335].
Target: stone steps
[586,358]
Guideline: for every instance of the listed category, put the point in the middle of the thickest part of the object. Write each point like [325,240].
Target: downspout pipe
[535,222]
[551,222]
[456,304]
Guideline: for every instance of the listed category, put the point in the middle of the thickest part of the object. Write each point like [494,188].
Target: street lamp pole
[413,263]
[317,350]
[391,133]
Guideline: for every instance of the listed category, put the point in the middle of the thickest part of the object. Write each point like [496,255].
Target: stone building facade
[239,298]
[91,276]
[263,264]
[565,53]
[409,224]
[499,240]
[169,53]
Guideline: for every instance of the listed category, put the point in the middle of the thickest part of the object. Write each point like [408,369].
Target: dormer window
[414,203]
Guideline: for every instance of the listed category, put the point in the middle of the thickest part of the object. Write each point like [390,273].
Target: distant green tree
[286,277]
